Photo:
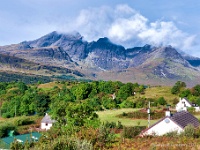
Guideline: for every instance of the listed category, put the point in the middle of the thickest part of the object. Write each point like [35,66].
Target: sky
[125,22]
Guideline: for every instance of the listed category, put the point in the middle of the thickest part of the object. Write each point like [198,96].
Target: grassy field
[156,92]
[50,85]
[198,116]
[111,116]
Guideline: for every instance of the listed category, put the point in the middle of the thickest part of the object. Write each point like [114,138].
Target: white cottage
[184,103]
[47,122]
[176,122]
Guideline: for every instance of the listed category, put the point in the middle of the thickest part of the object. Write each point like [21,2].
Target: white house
[176,122]
[47,122]
[184,103]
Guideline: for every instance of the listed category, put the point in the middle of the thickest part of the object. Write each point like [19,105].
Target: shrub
[127,104]
[16,145]
[142,115]
[83,145]
[124,114]
[197,132]
[161,101]
[110,124]
[23,121]
[191,110]
[189,131]
[119,125]
[7,115]
[105,136]
[172,134]
[5,128]
[130,132]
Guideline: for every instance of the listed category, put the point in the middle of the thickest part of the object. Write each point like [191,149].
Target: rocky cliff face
[103,53]
[106,55]
[70,51]
[71,43]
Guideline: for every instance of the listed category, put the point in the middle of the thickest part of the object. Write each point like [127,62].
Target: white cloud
[125,26]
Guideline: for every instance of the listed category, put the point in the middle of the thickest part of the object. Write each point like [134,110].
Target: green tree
[58,111]
[81,115]
[196,90]
[108,102]
[185,93]
[125,91]
[175,90]
[22,86]
[106,87]
[177,87]
[198,101]
[42,103]
[81,91]
[161,101]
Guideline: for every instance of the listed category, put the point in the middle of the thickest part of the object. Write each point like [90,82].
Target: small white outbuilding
[47,122]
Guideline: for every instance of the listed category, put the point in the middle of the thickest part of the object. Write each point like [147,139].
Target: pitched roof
[187,100]
[183,118]
[154,124]
[47,119]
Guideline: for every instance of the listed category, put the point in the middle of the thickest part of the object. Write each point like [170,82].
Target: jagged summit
[69,50]
[54,39]
[104,40]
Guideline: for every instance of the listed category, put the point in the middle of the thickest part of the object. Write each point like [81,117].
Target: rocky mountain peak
[103,40]
[55,39]
[102,56]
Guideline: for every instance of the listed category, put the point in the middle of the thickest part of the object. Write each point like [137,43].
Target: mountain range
[60,55]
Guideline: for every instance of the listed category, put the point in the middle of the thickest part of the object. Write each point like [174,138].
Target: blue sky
[126,22]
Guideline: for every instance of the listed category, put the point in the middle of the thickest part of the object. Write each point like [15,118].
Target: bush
[110,124]
[127,104]
[172,134]
[142,115]
[191,110]
[161,101]
[5,128]
[130,132]
[6,115]
[105,136]
[23,121]
[197,133]
[189,131]
[124,114]
[83,145]
[119,125]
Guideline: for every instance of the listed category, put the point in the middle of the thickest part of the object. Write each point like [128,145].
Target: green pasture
[111,116]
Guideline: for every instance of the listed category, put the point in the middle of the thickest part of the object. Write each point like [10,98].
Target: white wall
[163,128]
[180,106]
[46,126]
[197,109]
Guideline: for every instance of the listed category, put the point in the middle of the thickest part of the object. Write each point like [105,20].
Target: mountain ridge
[98,58]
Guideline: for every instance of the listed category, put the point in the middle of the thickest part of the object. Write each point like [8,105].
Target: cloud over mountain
[126,26]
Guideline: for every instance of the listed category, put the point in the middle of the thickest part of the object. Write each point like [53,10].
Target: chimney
[167,113]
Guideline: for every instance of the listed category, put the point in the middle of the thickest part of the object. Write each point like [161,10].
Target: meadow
[112,116]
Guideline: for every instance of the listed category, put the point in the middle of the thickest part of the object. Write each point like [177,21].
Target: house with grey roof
[47,122]
[172,122]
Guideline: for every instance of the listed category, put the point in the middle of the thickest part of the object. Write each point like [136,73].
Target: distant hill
[58,54]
